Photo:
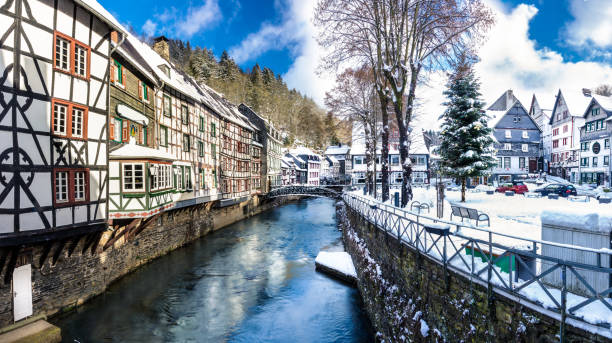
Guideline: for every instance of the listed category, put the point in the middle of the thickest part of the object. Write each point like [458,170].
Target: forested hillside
[265,92]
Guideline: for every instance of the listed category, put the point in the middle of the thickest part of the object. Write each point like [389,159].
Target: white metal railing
[506,263]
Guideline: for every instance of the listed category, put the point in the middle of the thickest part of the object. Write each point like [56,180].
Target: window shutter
[140,135]
[125,131]
[139,89]
[113,70]
[111,130]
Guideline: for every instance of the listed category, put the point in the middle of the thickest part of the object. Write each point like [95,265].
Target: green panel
[503,263]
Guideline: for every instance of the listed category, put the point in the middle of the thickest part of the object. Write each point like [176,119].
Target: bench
[419,206]
[469,213]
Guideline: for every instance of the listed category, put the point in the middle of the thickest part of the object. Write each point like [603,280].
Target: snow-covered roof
[332,159]
[129,52]
[337,150]
[94,7]
[177,79]
[285,164]
[133,151]
[604,101]
[131,114]
[302,150]
[576,102]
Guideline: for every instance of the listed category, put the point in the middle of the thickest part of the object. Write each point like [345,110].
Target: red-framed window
[70,186]
[68,119]
[71,56]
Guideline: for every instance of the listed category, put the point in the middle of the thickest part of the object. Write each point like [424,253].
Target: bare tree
[399,39]
[353,99]
[604,90]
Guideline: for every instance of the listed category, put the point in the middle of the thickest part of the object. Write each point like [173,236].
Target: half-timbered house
[54,73]
[53,126]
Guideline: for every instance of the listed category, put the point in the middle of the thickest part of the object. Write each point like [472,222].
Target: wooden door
[533,165]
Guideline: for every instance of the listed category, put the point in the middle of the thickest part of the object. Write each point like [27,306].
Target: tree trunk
[463,189]
[368,158]
[385,153]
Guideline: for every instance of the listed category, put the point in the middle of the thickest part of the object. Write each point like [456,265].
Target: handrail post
[490,272]
[563,302]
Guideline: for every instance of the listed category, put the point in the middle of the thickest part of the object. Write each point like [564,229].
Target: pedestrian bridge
[307,190]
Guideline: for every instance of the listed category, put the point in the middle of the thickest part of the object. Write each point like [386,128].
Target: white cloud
[592,24]
[149,28]
[510,60]
[199,17]
[185,25]
[297,33]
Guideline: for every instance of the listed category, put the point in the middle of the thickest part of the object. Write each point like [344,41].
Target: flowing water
[254,281]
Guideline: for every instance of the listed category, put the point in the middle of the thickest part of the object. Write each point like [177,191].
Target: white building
[566,120]
[419,157]
[313,164]
[595,141]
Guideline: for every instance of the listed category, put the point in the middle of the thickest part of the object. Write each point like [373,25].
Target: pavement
[39,331]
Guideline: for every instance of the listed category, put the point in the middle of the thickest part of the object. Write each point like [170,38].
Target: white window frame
[525,134]
[61,187]
[80,191]
[60,119]
[77,122]
[80,60]
[62,54]
[508,134]
[508,146]
[525,147]
[133,182]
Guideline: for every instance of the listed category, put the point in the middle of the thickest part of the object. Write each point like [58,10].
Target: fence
[504,263]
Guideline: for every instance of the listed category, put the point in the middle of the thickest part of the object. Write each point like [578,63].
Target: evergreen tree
[466,145]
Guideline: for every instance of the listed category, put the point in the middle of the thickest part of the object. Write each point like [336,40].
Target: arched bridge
[317,191]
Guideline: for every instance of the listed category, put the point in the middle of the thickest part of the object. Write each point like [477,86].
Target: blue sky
[236,19]
[535,47]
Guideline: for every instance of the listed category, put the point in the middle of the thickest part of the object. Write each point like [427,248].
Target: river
[253,281]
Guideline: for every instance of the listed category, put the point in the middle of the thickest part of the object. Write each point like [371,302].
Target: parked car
[517,187]
[557,188]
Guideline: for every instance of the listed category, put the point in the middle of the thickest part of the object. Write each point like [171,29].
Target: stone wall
[409,297]
[77,277]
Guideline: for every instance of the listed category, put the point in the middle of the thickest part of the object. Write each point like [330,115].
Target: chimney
[162,47]
[586,92]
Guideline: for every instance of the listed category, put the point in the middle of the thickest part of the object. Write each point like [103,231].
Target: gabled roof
[575,105]
[504,102]
[604,101]
[99,11]
[337,150]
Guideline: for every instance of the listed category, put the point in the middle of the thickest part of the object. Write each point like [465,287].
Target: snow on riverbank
[339,261]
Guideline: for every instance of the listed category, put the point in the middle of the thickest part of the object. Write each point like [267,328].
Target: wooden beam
[73,245]
[58,251]
[96,242]
[88,241]
[112,241]
[45,253]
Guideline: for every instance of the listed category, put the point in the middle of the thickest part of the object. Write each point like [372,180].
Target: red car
[517,187]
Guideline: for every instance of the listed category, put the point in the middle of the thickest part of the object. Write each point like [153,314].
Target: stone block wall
[77,277]
[410,297]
